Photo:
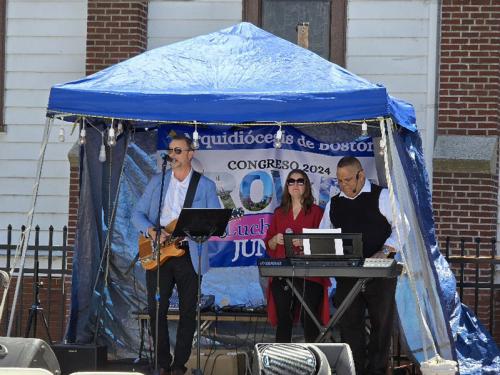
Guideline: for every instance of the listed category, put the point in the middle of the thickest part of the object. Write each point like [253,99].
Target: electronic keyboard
[358,268]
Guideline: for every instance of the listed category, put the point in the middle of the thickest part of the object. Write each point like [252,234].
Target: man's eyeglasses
[293,181]
[177,150]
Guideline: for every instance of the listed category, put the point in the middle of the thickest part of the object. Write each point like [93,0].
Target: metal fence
[50,262]
[475,272]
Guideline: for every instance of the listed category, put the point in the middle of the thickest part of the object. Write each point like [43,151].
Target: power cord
[212,349]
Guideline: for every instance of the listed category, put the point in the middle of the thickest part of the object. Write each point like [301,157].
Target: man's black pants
[378,298]
[286,302]
[175,271]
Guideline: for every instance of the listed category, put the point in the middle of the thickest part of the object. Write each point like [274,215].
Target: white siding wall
[173,21]
[394,43]
[45,45]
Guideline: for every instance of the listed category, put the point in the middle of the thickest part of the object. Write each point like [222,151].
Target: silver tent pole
[25,236]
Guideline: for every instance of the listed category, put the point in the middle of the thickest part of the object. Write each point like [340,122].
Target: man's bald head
[349,161]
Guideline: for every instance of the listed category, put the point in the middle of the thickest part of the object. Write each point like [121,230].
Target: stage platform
[227,345]
[212,361]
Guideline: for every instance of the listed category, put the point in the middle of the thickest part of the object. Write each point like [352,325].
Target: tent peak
[238,74]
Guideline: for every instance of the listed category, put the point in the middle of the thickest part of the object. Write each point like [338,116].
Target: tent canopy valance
[239,74]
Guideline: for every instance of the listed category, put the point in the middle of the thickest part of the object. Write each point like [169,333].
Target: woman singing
[297,211]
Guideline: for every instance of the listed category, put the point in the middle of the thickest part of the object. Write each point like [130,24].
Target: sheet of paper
[339,247]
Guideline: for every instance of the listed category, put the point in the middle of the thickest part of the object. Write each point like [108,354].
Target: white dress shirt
[174,198]
[384,206]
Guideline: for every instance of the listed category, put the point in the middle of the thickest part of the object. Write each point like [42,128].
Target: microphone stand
[156,247]
[199,241]
[212,222]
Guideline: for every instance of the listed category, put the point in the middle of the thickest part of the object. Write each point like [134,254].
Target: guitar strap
[195,178]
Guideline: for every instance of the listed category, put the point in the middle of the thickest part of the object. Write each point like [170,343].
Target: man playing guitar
[180,182]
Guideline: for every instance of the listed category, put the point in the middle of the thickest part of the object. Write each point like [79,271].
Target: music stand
[199,224]
[322,245]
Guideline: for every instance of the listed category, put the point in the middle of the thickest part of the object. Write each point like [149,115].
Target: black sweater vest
[362,215]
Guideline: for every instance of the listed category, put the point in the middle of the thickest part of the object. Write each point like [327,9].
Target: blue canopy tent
[244,75]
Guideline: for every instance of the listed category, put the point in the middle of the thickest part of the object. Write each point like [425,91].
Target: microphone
[357,179]
[166,157]
[296,249]
[288,231]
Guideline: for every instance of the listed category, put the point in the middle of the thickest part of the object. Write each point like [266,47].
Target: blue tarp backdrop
[238,75]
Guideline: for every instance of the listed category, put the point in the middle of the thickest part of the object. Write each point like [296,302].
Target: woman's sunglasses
[177,150]
[293,181]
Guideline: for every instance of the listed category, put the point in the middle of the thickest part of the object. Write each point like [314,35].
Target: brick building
[465,166]
[465,157]
[465,178]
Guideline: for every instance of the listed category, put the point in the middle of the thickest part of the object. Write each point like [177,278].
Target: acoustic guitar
[168,249]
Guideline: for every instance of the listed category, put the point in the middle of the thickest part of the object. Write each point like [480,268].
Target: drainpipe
[497,245]
[432,116]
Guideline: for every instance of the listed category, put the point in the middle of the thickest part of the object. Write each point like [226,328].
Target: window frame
[252,12]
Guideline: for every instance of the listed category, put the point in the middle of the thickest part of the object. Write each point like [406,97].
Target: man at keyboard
[363,207]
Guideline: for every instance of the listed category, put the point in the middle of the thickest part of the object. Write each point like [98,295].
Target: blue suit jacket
[146,210]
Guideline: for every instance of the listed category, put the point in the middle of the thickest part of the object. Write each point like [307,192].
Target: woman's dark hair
[307,198]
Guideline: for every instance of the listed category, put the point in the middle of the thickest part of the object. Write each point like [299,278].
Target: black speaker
[80,357]
[27,352]
[303,359]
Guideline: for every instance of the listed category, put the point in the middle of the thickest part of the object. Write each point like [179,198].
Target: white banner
[250,176]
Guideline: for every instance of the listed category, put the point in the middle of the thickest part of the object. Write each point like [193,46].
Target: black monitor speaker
[28,353]
[303,359]
[80,357]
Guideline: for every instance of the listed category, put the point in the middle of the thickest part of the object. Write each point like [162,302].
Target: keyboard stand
[343,307]
[326,330]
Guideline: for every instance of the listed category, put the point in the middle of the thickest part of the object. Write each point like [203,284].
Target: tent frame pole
[25,235]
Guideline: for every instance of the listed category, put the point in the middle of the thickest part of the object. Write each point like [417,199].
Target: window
[327,23]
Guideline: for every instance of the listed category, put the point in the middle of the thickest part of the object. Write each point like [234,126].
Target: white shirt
[384,206]
[174,198]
